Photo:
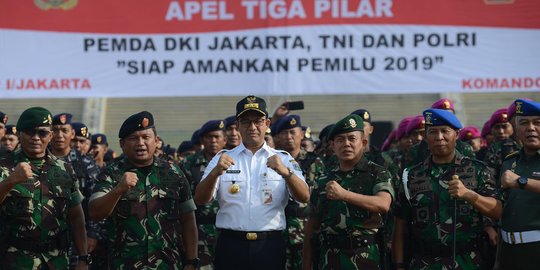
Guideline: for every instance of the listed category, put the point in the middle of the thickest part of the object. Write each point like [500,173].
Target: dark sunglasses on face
[42,133]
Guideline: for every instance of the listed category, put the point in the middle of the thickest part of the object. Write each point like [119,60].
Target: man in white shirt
[252,183]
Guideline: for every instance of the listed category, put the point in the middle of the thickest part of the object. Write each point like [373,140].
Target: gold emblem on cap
[428,118]
[268,131]
[83,131]
[98,139]
[469,134]
[14,129]
[63,119]
[234,188]
[48,120]
[292,122]
[251,99]
[504,116]
[446,104]
[423,123]
[519,107]
[366,115]
[144,122]
[221,124]
[308,132]
[352,122]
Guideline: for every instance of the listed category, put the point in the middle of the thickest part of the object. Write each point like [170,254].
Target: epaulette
[282,152]
[222,151]
[511,155]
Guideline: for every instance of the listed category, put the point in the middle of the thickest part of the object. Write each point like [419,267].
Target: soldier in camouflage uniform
[444,198]
[290,133]
[149,204]
[86,172]
[348,203]
[41,201]
[213,138]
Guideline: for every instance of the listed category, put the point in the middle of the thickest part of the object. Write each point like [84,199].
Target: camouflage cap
[139,121]
[350,123]
[34,117]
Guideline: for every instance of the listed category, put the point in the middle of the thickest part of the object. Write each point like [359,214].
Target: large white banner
[210,48]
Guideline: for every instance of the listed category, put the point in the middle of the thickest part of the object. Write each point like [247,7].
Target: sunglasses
[42,133]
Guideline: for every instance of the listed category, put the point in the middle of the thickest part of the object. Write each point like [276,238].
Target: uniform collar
[360,165]
[458,157]
[129,166]
[265,147]
[20,156]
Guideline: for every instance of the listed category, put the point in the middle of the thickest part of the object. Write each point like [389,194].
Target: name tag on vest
[232,171]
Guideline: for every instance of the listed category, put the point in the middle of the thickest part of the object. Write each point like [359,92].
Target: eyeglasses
[258,122]
[42,133]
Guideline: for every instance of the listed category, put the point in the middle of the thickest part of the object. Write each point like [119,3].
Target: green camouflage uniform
[496,153]
[144,229]
[296,213]
[341,222]
[36,212]
[206,214]
[430,210]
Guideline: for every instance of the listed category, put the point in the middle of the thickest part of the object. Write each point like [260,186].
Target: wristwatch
[193,262]
[85,258]
[522,182]
[291,173]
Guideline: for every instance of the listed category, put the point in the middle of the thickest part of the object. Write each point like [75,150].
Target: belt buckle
[512,238]
[251,236]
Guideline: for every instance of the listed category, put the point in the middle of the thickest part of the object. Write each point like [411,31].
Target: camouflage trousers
[207,245]
[294,257]
[366,258]
[21,259]
[467,261]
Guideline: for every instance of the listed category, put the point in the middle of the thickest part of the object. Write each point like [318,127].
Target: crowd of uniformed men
[436,195]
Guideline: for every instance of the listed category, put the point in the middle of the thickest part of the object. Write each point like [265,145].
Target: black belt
[347,242]
[60,243]
[251,236]
[440,250]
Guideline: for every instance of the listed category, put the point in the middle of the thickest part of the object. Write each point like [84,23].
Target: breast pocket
[233,188]
[60,198]
[276,184]
[169,202]
[19,205]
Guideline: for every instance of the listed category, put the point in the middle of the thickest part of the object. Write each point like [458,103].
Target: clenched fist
[224,162]
[129,180]
[21,173]
[456,188]
[334,191]
[275,163]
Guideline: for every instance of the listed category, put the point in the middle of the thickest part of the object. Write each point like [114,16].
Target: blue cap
[210,126]
[287,122]
[81,129]
[438,117]
[274,125]
[527,107]
[323,135]
[195,138]
[185,146]
[99,138]
[231,120]
[62,119]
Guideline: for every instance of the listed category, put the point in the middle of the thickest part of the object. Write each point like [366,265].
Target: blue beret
[139,121]
[62,119]
[195,138]
[364,114]
[438,117]
[80,129]
[99,138]
[231,120]
[287,122]
[527,107]
[274,125]
[185,146]
[210,126]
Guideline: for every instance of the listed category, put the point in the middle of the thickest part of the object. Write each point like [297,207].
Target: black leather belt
[251,236]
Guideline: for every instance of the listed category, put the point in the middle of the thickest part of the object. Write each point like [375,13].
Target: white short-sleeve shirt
[250,209]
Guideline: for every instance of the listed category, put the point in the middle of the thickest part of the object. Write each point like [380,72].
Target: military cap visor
[251,103]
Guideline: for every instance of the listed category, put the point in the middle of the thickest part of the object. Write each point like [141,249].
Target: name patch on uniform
[232,171]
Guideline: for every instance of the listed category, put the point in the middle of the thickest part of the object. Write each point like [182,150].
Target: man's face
[81,144]
[252,126]
[441,140]
[528,131]
[291,139]
[140,146]
[308,145]
[34,141]
[10,141]
[349,146]
[405,143]
[502,131]
[213,141]
[233,135]
[98,151]
[417,136]
[2,130]
[476,144]
[62,136]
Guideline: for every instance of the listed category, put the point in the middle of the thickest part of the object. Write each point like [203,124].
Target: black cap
[195,138]
[99,138]
[139,121]
[185,146]
[364,114]
[231,120]
[62,119]
[288,122]
[11,130]
[251,103]
[324,132]
[81,129]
